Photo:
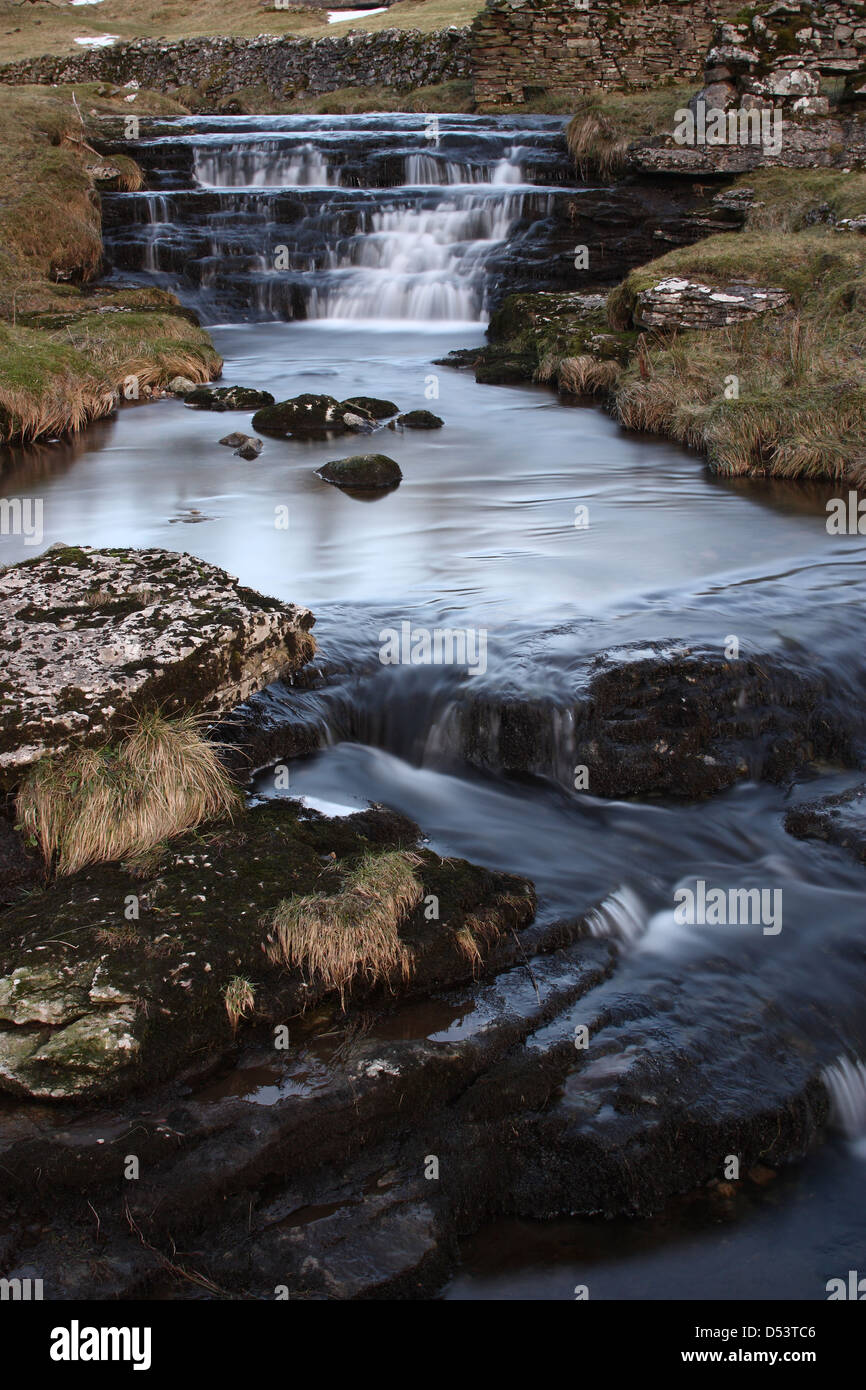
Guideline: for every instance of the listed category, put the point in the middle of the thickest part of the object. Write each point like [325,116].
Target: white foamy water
[420,263]
[267,164]
[846,1082]
[622,917]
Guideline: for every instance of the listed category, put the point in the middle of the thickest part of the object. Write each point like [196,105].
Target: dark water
[481,535]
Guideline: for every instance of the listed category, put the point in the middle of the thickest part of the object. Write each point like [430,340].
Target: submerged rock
[418,420]
[311,416]
[227,398]
[371,471]
[86,636]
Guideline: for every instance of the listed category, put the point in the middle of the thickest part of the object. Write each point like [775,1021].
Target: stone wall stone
[523,48]
[221,66]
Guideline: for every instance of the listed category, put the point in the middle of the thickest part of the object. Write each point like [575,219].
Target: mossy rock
[372,406]
[373,471]
[227,398]
[308,416]
[419,420]
[140,999]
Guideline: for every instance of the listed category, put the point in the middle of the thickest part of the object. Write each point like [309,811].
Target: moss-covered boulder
[364,471]
[372,406]
[88,636]
[418,420]
[169,954]
[227,398]
[312,416]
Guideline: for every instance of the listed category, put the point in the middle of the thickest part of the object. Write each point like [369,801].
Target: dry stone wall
[527,48]
[220,67]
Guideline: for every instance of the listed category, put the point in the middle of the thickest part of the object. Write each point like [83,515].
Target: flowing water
[394,247]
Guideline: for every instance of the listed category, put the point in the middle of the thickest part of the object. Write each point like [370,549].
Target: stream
[397,246]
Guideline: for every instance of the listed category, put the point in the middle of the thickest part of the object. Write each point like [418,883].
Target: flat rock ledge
[88,636]
[679,303]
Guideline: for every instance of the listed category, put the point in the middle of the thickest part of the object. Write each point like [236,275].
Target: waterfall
[846,1082]
[405,217]
[622,917]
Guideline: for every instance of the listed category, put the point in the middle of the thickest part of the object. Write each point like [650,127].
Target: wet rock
[311,416]
[678,303]
[235,439]
[373,471]
[668,720]
[181,386]
[138,1000]
[227,398]
[88,635]
[372,406]
[418,420]
[20,868]
[249,449]
[840,819]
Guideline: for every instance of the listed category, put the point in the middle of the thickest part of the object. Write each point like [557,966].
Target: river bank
[70,350]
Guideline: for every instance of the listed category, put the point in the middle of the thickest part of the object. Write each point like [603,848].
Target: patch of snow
[104,41]
[336,16]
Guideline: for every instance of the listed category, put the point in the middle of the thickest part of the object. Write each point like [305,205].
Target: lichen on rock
[87,637]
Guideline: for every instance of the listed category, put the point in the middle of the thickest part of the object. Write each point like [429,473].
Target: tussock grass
[354,932]
[587,376]
[240,998]
[594,142]
[104,804]
[604,124]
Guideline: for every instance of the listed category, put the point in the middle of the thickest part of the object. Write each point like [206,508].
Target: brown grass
[354,932]
[64,356]
[595,144]
[587,376]
[105,804]
[240,999]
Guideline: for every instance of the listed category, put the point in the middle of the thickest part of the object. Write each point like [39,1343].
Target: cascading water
[338,218]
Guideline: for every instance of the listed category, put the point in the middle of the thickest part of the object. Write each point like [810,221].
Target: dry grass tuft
[587,376]
[106,804]
[594,143]
[353,932]
[240,998]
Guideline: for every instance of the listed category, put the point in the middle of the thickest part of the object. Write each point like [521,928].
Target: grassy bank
[604,124]
[801,373]
[65,349]
[29,30]
[799,405]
